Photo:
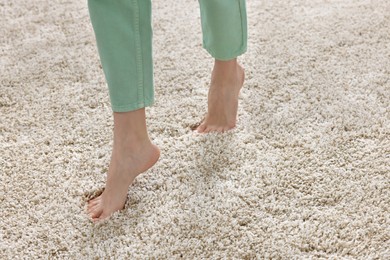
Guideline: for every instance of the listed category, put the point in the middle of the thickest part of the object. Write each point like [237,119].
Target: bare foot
[124,167]
[226,82]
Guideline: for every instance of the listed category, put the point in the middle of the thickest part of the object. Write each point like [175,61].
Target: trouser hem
[133,106]
[226,57]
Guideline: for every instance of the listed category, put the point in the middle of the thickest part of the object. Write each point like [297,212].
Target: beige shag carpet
[306,174]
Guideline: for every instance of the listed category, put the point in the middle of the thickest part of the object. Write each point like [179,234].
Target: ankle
[226,65]
[225,71]
[131,144]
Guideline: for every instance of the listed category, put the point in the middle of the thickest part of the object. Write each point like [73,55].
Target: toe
[207,130]
[104,216]
[96,214]
[226,129]
[93,208]
[96,199]
[93,203]
[201,128]
[214,129]
[220,129]
[95,211]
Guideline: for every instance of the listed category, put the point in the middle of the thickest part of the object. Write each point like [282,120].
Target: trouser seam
[139,62]
[242,25]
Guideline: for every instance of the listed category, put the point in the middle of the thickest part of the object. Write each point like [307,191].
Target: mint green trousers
[123,33]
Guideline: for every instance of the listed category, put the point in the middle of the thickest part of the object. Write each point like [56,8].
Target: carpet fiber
[306,173]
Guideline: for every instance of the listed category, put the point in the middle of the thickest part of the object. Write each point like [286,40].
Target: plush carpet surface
[306,173]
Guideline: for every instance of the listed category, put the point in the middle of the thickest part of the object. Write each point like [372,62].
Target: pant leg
[224,26]
[124,39]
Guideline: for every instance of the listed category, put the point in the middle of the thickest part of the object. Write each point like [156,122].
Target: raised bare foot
[226,82]
[124,167]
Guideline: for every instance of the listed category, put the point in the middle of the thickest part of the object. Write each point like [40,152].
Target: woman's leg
[132,154]
[124,40]
[224,26]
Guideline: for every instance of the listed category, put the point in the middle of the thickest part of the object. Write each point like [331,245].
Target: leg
[132,154]
[123,35]
[224,29]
